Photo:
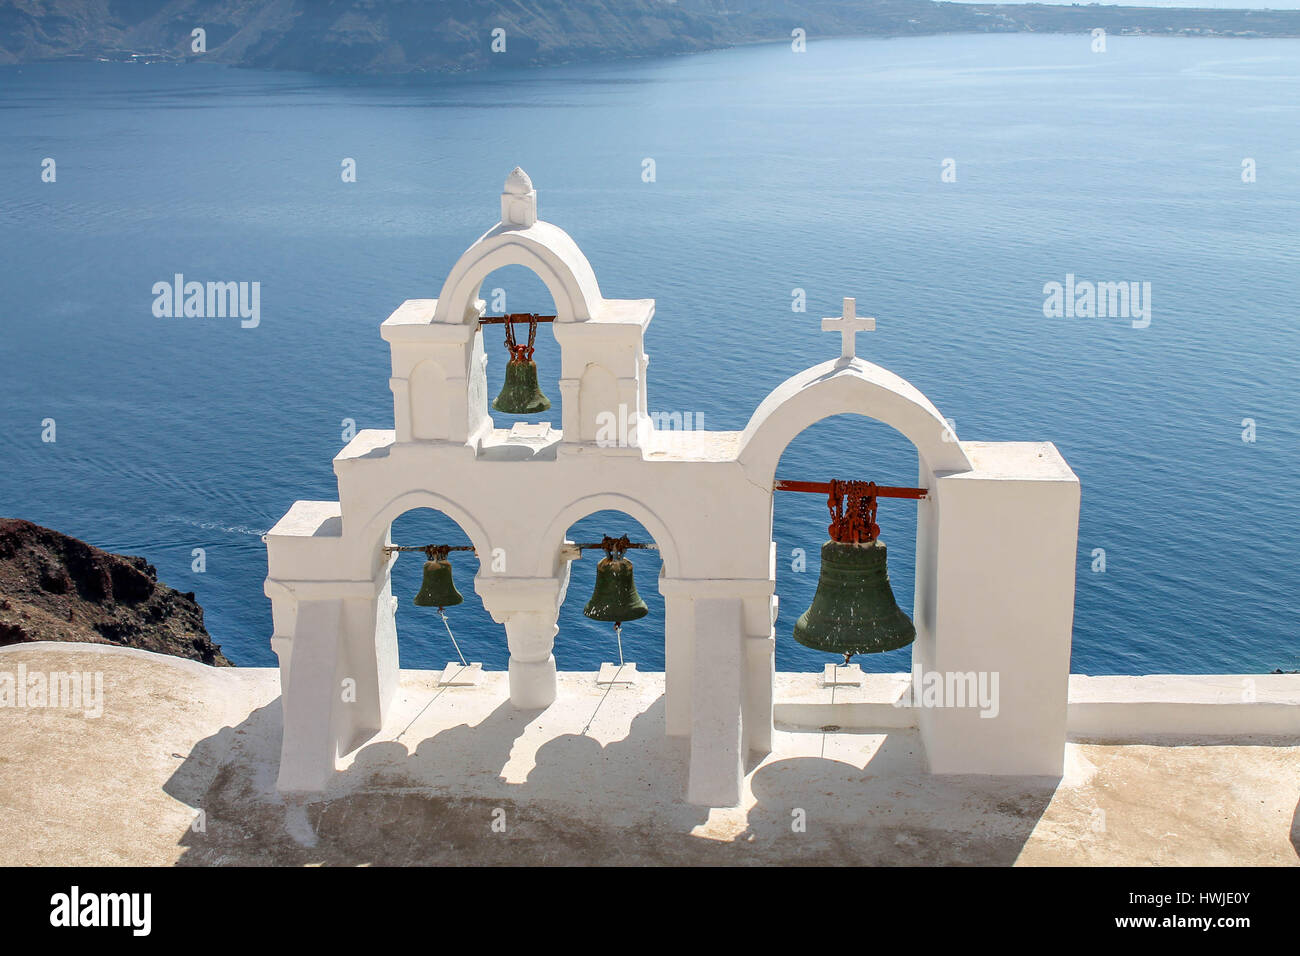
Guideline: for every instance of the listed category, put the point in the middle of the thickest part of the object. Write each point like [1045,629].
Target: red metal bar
[515,318]
[824,488]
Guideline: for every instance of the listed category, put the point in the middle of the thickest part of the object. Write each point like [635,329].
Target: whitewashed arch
[375,531]
[836,388]
[607,501]
[545,249]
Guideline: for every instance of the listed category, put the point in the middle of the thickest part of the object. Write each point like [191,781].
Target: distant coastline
[394,38]
[1143,21]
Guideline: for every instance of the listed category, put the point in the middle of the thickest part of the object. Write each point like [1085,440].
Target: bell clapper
[618,636]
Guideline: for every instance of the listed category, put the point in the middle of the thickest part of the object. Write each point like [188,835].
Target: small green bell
[520,393]
[854,611]
[438,589]
[615,597]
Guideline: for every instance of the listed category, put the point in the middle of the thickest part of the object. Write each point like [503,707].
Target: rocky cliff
[56,588]
[405,36]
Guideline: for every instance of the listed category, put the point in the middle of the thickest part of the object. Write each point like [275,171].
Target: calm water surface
[774,172]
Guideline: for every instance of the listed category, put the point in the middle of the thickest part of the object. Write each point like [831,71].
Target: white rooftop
[591,779]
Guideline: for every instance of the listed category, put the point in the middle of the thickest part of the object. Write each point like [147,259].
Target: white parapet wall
[1103,709]
[1154,705]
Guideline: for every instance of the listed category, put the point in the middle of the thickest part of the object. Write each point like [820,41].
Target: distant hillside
[403,36]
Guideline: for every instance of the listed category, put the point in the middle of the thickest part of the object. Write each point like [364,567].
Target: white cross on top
[849,325]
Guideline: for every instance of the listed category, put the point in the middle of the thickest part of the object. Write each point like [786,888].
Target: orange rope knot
[852,506]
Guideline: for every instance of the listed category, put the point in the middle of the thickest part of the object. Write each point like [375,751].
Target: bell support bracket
[615,545]
[515,318]
[435,552]
[852,505]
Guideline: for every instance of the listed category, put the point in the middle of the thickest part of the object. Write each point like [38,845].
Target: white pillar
[314,722]
[532,665]
[529,609]
[337,645]
[760,664]
[996,614]
[368,648]
[717,724]
[679,656]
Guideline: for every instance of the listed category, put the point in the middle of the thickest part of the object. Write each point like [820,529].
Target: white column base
[532,683]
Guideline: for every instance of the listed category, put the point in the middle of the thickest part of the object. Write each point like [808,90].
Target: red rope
[852,506]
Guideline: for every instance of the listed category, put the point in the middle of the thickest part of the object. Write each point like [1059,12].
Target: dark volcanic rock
[56,588]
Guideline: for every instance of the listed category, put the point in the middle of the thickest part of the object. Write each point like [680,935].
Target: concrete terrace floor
[590,780]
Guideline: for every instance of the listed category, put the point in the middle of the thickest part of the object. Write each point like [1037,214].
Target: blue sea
[774,171]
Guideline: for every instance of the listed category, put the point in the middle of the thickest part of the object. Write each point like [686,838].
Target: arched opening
[422,639]
[511,289]
[583,644]
[850,447]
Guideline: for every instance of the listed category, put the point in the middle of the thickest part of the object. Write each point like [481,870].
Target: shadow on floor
[583,803]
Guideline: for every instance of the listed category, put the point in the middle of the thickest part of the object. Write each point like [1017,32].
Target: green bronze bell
[854,611]
[614,597]
[438,589]
[520,393]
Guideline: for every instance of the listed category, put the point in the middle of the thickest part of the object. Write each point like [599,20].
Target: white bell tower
[995,549]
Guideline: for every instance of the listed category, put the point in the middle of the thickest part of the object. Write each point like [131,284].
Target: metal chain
[521,353]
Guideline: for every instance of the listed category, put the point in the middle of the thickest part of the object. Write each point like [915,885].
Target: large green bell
[614,597]
[854,611]
[438,589]
[520,393]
